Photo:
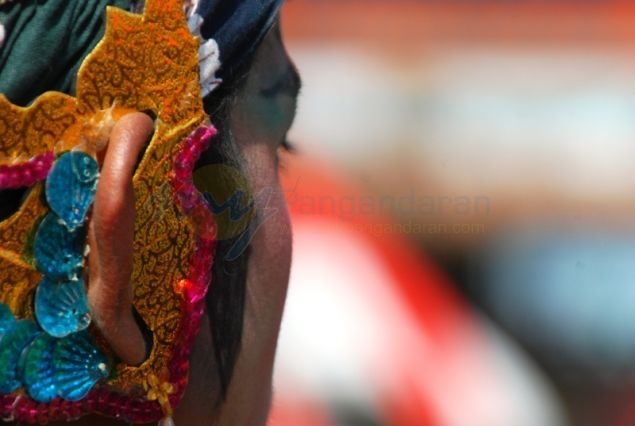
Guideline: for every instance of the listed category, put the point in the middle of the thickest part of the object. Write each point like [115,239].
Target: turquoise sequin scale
[70,187]
[61,308]
[54,355]
[59,252]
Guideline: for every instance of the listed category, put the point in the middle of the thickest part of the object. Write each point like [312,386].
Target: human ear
[111,236]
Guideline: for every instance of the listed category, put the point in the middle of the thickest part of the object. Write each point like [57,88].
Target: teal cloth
[46,42]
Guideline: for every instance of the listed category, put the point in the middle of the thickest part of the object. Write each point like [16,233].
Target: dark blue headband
[238,27]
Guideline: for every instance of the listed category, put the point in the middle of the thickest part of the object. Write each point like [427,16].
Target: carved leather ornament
[144,62]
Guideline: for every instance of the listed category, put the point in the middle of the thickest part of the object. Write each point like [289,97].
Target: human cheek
[270,258]
[268,268]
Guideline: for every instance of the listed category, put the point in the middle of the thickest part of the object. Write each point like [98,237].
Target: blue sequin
[7,320]
[61,308]
[71,185]
[59,252]
[12,347]
[61,360]
[38,371]
[78,365]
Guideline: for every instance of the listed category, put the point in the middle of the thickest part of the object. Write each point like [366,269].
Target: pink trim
[26,174]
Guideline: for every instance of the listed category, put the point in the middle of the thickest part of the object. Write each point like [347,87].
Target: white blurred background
[530,104]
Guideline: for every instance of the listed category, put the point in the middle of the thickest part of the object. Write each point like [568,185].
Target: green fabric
[45,43]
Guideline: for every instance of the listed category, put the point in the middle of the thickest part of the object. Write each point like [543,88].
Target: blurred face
[260,118]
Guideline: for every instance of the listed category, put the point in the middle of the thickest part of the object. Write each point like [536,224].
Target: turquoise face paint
[270,116]
[271,111]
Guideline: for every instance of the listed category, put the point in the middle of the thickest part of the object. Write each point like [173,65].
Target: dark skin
[110,239]
[259,120]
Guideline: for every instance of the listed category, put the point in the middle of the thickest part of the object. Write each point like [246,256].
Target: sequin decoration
[12,346]
[78,365]
[70,187]
[61,308]
[7,320]
[68,367]
[59,252]
[46,366]
[38,369]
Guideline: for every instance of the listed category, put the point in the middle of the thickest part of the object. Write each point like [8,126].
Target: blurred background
[498,287]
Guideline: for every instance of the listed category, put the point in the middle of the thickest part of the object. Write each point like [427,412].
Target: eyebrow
[289,83]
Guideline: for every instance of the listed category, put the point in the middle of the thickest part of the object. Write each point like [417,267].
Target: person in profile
[119,303]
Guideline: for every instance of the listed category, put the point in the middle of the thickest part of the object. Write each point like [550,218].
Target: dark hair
[225,300]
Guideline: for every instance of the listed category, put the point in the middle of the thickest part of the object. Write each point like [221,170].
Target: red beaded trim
[194,288]
[24,175]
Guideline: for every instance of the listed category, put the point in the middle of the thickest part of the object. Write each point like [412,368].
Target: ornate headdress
[54,365]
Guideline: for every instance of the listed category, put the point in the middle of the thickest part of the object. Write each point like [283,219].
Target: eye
[288,146]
